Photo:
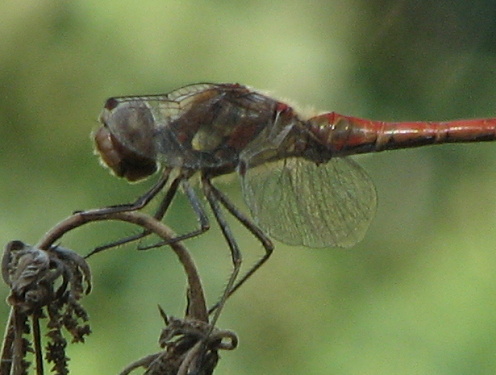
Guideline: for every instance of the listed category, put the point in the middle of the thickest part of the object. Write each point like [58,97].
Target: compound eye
[125,142]
[120,160]
[131,122]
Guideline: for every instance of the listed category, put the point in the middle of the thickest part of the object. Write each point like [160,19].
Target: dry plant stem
[6,362]
[17,356]
[143,362]
[37,341]
[183,369]
[197,310]
[11,358]
[11,363]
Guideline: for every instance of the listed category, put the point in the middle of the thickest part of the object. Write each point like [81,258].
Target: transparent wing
[301,203]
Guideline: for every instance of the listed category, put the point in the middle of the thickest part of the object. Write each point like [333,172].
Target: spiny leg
[159,214]
[229,237]
[200,214]
[252,227]
[141,202]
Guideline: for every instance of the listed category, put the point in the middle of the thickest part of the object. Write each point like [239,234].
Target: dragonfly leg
[200,214]
[159,214]
[212,199]
[141,202]
[253,228]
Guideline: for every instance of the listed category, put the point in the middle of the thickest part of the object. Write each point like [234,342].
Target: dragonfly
[297,180]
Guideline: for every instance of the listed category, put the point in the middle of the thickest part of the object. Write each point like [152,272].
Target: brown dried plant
[47,281]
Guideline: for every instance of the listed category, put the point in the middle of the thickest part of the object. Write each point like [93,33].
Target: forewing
[301,203]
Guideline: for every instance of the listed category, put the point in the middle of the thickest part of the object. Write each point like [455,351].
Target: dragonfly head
[125,141]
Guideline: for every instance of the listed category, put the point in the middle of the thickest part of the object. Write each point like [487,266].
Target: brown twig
[197,308]
[8,339]
[191,344]
[37,341]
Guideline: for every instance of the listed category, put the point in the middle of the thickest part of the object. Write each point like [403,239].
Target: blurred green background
[417,296]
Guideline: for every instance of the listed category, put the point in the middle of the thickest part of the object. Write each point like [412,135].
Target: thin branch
[196,341]
[197,308]
[7,345]
[38,350]
[18,348]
